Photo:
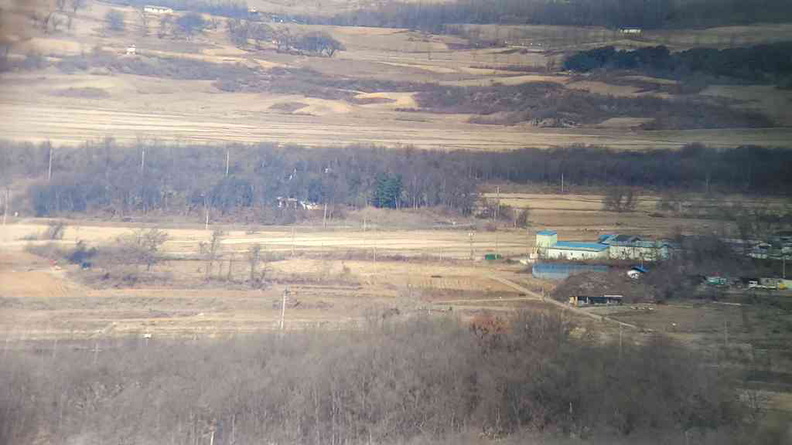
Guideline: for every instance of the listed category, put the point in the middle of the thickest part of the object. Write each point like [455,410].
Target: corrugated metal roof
[575,245]
[547,232]
[561,271]
[606,238]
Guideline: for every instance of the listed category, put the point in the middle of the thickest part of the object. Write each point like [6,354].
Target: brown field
[338,274]
[49,105]
[343,276]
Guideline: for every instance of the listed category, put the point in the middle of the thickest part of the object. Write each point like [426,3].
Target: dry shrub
[422,380]
[288,107]
[82,93]
[55,230]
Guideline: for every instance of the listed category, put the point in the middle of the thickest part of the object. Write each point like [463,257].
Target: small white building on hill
[153,9]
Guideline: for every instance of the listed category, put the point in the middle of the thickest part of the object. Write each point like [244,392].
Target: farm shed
[153,9]
[562,271]
[574,250]
[631,247]
[605,300]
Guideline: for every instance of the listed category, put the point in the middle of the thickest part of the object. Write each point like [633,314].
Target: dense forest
[647,14]
[420,381]
[433,16]
[770,63]
[103,177]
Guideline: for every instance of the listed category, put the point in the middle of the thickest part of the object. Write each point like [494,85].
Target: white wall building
[617,247]
[152,9]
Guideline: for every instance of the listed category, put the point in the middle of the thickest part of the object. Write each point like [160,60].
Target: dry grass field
[44,300]
[339,274]
[367,265]
[87,105]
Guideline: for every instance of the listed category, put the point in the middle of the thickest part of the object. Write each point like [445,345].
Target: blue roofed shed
[562,271]
[578,245]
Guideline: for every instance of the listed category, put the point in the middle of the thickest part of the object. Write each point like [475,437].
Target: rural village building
[152,9]
[617,247]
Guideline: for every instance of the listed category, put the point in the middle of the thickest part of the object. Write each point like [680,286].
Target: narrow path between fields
[561,305]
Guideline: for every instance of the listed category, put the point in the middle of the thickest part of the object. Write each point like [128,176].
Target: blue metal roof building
[613,246]
[578,245]
[562,271]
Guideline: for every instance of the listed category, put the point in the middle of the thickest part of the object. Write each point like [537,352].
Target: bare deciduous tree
[142,247]
[620,199]
[213,251]
[114,21]
[76,5]
[254,257]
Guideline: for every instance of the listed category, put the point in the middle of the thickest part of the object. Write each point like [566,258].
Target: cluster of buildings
[158,10]
[607,247]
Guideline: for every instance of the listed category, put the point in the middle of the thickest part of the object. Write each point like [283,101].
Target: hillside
[72,83]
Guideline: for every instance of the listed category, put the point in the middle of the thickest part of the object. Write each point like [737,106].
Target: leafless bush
[115,21]
[394,382]
[50,251]
[620,199]
[54,231]
[212,251]
[83,93]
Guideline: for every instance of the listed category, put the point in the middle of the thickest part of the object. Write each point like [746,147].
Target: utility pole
[5,207]
[470,238]
[324,218]
[96,352]
[206,211]
[142,160]
[49,168]
[283,309]
[497,208]
[562,183]
[228,160]
[726,332]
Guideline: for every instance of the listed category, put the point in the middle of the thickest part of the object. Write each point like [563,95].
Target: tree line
[769,63]
[104,177]
[227,8]
[649,14]
[240,32]
[548,104]
[416,381]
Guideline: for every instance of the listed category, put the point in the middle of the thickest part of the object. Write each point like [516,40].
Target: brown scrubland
[313,222]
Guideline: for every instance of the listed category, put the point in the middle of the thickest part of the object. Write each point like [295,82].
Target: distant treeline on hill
[648,14]
[770,63]
[106,178]
[227,8]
